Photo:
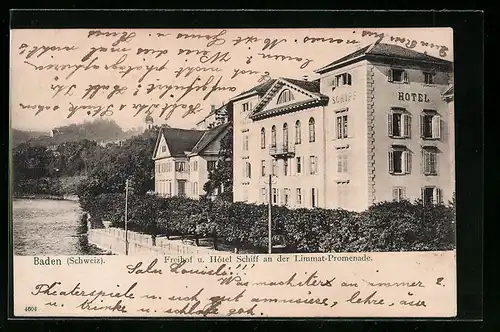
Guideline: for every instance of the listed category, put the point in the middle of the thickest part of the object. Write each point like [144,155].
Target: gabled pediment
[288,95]
[161,148]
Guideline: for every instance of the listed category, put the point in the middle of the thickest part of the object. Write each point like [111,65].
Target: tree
[222,174]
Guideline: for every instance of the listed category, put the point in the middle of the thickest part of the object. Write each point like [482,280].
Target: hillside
[98,130]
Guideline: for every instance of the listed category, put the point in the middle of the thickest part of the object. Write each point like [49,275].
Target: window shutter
[395,194]
[403,193]
[405,76]
[425,161]
[437,192]
[339,163]
[436,126]
[334,82]
[390,76]
[407,125]
[389,124]
[407,161]
[391,162]
[422,195]
[422,124]
[349,79]
[345,163]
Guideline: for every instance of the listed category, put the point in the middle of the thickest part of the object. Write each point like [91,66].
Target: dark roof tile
[181,140]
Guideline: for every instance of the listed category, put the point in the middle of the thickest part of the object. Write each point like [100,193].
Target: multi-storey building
[374,127]
[183,159]
[216,117]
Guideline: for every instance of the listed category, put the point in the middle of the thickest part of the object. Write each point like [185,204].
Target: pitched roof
[450,91]
[181,140]
[259,89]
[311,86]
[208,137]
[385,50]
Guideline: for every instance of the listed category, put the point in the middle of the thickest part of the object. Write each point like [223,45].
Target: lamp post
[126,216]
[270,214]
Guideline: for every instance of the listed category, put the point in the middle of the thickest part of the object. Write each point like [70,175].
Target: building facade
[374,127]
[183,159]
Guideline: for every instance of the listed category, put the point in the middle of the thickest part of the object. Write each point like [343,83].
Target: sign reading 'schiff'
[413,96]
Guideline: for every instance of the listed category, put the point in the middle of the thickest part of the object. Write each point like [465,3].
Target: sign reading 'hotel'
[412,96]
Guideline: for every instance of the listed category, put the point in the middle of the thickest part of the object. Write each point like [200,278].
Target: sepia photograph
[310,144]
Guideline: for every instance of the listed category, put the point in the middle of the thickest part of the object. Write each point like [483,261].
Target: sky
[37,54]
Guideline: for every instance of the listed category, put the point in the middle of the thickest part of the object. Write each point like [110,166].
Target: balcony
[282,151]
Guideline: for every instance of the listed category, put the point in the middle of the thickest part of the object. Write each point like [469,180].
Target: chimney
[305,78]
[214,107]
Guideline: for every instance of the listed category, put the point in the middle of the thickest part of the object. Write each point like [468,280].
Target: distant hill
[98,130]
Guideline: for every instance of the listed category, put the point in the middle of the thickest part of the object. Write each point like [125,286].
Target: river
[49,227]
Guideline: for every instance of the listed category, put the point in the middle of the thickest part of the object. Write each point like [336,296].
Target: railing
[282,150]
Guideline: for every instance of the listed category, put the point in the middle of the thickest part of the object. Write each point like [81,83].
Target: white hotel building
[374,127]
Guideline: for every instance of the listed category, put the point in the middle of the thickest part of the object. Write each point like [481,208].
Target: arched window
[263,138]
[298,134]
[273,136]
[285,135]
[285,96]
[312,131]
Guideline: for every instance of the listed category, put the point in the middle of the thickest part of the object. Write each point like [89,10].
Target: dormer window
[341,80]
[285,96]
[397,76]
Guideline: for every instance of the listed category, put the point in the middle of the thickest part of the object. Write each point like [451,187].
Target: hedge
[387,226]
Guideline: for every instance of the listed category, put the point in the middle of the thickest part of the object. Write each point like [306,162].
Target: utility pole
[126,217]
[270,221]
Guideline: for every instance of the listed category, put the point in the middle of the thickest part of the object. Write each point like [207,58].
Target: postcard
[233,173]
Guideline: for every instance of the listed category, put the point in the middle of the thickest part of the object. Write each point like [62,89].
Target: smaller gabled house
[183,159]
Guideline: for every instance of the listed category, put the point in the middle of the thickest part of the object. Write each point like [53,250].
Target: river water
[49,227]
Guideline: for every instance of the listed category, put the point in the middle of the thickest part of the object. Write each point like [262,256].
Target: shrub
[387,226]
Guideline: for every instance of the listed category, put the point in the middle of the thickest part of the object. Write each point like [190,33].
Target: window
[275,167]
[341,80]
[431,195]
[263,138]
[398,194]
[245,143]
[312,131]
[285,96]
[195,166]
[399,124]
[273,136]
[263,167]
[169,188]
[211,164]
[314,198]
[180,166]
[245,107]
[286,196]
[313,164]
[299,196]
[299,164]
[298,134]
[181,187]
[342,162]
[248,170]
[398,75]
[285,166]
[164,148]
[195,188]
[399,161]
[275,196]
[341,126]
[430,125]
[429,160]
[343,194]
[285,135]
[263,195]
[429,78]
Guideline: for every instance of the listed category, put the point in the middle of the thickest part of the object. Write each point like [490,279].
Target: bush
[387,226]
